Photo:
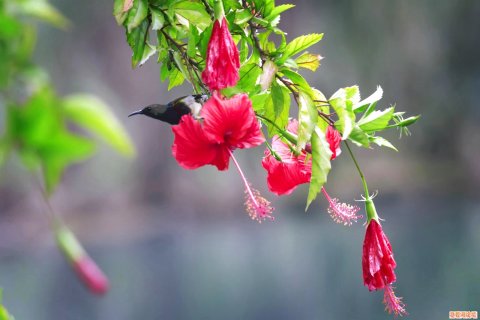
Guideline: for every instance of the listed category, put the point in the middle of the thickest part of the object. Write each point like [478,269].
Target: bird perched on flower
[173,111]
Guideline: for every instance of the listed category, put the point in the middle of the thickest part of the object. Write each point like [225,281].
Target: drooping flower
[377,260]
[334,139]
[222,64]
[378,266]
[83,265]
[228,124]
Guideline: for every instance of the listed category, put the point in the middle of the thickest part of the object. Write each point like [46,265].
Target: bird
[173,111]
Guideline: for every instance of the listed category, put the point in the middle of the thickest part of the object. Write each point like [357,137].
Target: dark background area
[177,244]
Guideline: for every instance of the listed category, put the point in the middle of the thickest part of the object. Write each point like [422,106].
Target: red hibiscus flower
[286,170]
[378,266]
[221,70]
[228,124]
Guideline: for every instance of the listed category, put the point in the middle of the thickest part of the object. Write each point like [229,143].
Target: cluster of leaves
[179,30]
[38,121]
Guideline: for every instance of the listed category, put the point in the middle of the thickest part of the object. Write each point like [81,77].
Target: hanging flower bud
[223,62]
[378,263]
[377,260]
[85,268]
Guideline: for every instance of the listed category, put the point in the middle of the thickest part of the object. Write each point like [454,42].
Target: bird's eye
[148,109]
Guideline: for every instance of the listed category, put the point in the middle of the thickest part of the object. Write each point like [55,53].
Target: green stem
[218,10]
[209,9]
[369,205]
[287,135]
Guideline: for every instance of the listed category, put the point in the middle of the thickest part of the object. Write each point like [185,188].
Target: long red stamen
[393,304]
[258,208]
[341,212]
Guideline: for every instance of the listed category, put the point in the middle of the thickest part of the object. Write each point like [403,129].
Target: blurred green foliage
[41,126]
[4,314]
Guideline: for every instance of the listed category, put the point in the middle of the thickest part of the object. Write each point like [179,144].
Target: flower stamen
[257,207]
[393,304]
[340,212]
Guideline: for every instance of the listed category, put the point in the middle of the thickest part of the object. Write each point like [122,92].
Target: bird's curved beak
[135,113]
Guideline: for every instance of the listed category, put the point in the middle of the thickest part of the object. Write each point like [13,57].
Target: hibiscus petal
[192,149]
[284,177]
[232,122]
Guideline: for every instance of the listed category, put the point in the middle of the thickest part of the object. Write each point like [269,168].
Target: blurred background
[178,244]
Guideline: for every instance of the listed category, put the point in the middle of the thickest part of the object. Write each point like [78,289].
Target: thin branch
[209,9]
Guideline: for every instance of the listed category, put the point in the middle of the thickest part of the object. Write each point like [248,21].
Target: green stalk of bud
[218,10]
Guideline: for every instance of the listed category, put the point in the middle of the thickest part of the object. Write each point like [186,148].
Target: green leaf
[179,63]
[176,79]
[137,40]
[244,50]
[307,119]
[148,51]
[61,151]
[4,150]
[4,314]
[382,142]
[352,94]
[377,120]
[308,61]
[298,80]
[119,12]
[278,10]
[41,9]
[193,39]
[242,16]
[259,101]
[137,14]
[249,74]
[359,137]
[343,109]
[95,116]
[158,19]
[189,12]
[299,44]
[277,108]
[374,97]
[204,39]
[321,165]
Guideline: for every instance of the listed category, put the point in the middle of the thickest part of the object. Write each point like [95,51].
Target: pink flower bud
[85,268]
[91,275]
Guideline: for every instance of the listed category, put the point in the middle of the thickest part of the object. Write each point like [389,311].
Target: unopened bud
[85,268]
